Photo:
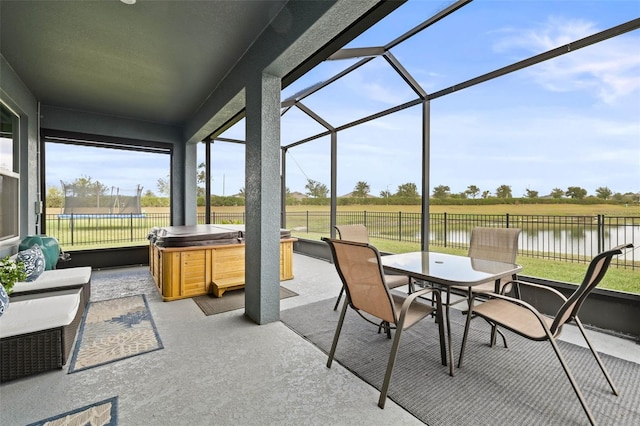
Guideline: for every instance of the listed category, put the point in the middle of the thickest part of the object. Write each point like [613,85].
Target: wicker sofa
[38,330]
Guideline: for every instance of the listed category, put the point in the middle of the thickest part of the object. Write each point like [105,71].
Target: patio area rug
[523,384]
[103,413]
[112,330]
[230,301]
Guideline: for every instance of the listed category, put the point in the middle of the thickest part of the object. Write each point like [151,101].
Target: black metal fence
[566,238]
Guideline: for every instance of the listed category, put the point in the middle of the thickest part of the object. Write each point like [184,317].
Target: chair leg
[386,326]
[464,336]
[494,331]
[597,357]
[337,335]
[573,382]
[390,364]
[338,301]
[411,287]
[504,339]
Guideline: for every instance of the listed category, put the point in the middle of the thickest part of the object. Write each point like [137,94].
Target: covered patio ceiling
[176,63]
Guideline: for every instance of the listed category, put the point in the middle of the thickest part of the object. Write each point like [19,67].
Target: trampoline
[96,201]
[102,215]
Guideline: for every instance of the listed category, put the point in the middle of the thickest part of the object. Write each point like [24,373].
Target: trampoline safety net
[99,199]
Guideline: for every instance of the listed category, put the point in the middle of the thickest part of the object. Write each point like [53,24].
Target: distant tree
[148,193]
[486,194]
[472,191]
[201,179]
[385,194]
[556,193]
[201,175]
[441,191]
[55,197]
[361,190]
[603,192]
[84,186]
[163,186]
[531,193]
[503,191]
[576,192]
[407,190]
[316,189]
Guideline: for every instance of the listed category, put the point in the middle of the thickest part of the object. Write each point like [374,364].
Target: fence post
[400,225]
[71,227]
[600,233]
[307,218]
[364,218]
[444,227]
[131,225]
[507,219]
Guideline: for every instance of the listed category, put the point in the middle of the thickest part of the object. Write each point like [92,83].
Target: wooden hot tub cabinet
[183,272]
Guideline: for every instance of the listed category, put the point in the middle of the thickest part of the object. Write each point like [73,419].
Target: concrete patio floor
[225,370]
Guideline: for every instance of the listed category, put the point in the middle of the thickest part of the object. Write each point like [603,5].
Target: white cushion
[42,311]
[56,278]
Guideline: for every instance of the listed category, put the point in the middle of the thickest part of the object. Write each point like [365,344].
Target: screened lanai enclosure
[415,103]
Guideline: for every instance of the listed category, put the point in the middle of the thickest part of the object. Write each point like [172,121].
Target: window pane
[8,216]
[8,140]
[9,176]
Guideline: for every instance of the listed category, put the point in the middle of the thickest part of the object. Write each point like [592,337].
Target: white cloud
[610,70]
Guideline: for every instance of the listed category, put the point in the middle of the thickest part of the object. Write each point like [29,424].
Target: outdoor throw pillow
[33,259]
[4,300]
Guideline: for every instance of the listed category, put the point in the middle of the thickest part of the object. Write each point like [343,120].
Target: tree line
[410,190]
[504,191]
[318,193]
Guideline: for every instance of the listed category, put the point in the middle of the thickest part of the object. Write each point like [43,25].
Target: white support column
[262,192]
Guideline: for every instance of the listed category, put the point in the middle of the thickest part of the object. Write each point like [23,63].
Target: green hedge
[218,201]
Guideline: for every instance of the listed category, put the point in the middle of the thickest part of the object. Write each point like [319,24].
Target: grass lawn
[617,279]
[626,280]
[522,209]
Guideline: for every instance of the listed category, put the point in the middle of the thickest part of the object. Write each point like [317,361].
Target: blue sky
[571,121]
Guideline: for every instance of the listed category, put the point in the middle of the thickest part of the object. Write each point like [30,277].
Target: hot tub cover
[201,235]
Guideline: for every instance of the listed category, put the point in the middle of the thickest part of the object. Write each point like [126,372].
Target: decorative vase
[49,245]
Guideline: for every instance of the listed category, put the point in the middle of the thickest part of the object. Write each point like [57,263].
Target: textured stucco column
[183,191]
[262,191]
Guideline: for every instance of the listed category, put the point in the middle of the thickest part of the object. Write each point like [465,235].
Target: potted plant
[10,273]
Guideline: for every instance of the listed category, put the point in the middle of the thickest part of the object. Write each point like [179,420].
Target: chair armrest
[413,296]
[507,287]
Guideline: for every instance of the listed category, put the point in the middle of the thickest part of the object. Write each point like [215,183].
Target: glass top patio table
[448,270]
